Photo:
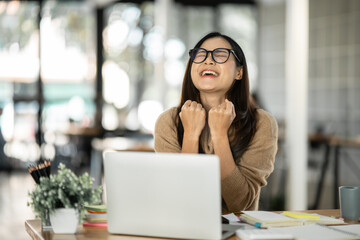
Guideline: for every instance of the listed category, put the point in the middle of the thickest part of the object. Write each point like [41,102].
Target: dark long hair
[244,124]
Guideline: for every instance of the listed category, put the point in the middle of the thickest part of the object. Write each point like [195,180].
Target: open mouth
[209,73]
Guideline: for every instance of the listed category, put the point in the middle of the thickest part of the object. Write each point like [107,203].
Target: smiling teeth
[209,73]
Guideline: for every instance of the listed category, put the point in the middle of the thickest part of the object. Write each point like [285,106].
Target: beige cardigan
[241,189]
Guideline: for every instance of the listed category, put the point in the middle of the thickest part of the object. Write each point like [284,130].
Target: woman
[217,116]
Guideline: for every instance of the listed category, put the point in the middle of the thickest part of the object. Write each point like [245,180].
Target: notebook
[265,219]
[164,195]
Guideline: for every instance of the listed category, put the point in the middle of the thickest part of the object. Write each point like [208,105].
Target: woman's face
[212,77]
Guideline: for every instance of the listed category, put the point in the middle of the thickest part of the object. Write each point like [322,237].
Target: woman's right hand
[193,118]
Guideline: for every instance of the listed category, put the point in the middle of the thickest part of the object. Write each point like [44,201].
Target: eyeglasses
[219,55]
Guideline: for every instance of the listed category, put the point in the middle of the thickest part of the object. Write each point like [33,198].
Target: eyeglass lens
[219,55]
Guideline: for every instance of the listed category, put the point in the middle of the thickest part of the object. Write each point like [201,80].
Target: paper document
[268,234]
[234,220]
[304,232]
[231,217]
[317,232]
[353,228]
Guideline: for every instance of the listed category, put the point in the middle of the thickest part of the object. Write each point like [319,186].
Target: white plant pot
[64,220]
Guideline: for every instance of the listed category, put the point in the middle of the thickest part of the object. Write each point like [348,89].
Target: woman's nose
[209,59]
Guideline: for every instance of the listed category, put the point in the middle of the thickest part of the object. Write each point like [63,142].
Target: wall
[334,80]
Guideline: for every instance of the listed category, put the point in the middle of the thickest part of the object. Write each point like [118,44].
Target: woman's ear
[239,73]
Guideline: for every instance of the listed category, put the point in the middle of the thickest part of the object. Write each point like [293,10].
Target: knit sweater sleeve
[166,133]
[241,189]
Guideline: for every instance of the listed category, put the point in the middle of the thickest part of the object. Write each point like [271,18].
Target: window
[19,61]
[143,70]
[68,64]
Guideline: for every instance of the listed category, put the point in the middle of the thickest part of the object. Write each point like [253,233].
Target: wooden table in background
[334,143]
[33,227]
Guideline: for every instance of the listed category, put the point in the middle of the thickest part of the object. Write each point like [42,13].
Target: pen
[256,224]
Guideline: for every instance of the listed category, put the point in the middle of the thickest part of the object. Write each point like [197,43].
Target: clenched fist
[193,117]
[220,119]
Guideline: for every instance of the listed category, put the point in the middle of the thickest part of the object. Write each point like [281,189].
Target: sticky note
[300,215]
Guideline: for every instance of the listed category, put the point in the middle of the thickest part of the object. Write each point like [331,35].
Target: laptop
[164,195]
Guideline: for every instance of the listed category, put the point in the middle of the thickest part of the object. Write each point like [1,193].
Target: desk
[33,227]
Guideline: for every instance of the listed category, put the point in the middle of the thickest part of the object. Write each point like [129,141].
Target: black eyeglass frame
[212,54]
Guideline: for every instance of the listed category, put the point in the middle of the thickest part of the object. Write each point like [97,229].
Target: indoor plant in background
[63,196]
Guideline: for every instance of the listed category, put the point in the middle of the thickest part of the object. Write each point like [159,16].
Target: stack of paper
[95,216]
[265,219]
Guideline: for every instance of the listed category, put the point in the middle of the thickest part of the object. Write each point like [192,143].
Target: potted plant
[63,195]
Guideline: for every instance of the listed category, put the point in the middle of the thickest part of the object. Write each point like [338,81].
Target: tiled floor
[14,211]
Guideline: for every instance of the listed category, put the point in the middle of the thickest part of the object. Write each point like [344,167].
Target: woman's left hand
[220,119]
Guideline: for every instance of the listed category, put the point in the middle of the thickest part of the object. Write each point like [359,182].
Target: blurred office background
[78,77]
